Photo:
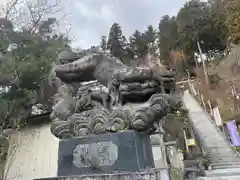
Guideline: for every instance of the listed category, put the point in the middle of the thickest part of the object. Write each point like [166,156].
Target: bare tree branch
[30,15]
[9,9]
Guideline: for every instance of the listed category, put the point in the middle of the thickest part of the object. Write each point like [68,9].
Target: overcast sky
[91,19]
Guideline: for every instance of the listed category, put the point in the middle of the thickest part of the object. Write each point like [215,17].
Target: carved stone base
[108,153]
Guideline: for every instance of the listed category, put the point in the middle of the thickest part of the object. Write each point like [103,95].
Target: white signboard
[191,142]
[217,116]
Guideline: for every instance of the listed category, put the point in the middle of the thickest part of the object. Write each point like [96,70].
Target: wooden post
[204,105]
[203,63]
[184,59]
[224,132]
[210,56]
[185,139]
[189,84]
[234,97]
[186,81]
[198,95]
[210,106]
[162,145]
[188,74]
[196,62]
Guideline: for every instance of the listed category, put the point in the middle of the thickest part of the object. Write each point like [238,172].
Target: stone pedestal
[108,153]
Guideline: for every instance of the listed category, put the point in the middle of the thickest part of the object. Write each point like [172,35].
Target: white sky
[91,19]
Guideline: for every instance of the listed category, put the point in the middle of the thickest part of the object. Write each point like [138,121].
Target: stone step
[222,160]
[223,154]
[223,172]
[219,151]
[212,139]
[223,157]
[225,165]
[219,178]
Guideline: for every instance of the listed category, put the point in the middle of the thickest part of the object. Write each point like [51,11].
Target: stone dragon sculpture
[131,97]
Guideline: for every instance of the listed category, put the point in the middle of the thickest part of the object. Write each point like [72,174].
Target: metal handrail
[217,128]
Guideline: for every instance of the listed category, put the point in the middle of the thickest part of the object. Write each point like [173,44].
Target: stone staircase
[225,161]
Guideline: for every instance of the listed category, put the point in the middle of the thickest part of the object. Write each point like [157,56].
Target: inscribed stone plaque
[117,152]
[105,152]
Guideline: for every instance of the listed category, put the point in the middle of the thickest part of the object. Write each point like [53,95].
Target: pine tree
[233,21]
[150,34]
[139,44]
[103,43]
[116,41]
[25,64]
[168,37]
[142,42]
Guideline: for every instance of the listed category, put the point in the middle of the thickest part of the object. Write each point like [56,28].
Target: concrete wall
[175,157]
[33,154]
[158,151]
[158,158]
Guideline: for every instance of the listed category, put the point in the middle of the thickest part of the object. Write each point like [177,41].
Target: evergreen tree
[198,22]
[150,34]
[116,41]
[25,66]
[232,18]
[27,53]
[168,37]
[103,43]
[139,44]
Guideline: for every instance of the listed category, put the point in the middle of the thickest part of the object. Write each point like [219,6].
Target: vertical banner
[194,92]
[233,132]
[217,116]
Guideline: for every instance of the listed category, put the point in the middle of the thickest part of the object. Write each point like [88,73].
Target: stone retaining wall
[159,174]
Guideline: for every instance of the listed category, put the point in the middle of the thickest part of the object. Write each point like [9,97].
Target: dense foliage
[136,46]
[27,53]
[27,49]
[211,23]
[233,21]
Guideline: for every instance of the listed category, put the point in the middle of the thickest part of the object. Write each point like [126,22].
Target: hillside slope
[227,70]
